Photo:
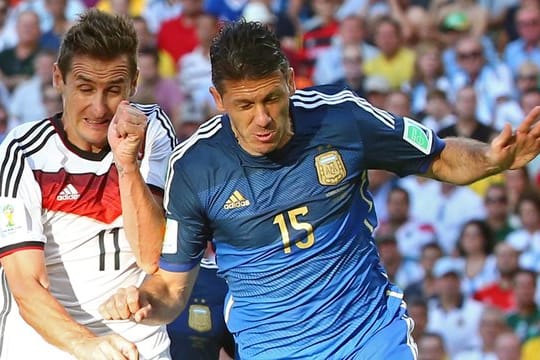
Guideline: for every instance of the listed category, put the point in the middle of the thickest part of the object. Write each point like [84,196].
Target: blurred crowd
[468,258]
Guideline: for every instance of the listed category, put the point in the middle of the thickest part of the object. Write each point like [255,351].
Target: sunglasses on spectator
[469,55]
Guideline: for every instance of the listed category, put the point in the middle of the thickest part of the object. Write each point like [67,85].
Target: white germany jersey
[56,197]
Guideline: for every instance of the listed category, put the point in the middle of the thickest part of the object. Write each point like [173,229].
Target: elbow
[149,267]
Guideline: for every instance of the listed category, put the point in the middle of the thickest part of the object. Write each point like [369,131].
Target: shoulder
[29,133]
[324,95]
[200,148]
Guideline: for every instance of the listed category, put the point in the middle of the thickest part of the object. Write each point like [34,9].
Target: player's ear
[217,99]
[290,81]
[133,85]
[58,79]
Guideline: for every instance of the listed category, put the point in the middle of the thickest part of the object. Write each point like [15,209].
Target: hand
[126,135]
[106,347]
[127,303]
[514,150]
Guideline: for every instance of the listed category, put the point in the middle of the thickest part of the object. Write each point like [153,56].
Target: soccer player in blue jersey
[279,184]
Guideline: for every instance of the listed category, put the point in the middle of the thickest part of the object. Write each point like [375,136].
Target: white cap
[257,11]
[448,265]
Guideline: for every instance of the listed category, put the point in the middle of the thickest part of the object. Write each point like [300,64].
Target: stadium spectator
[517,182]
[27,102]
[7,37]
[398,102]
[475,246]
[317,35]
[353,76]
[425,287]
[431,347]
[486,78]
[508,346]
[330,65]
[525,320]
[395,62]
[527,46]
[401,271]
[500,294]
[454,316]
[156,12]
[418,311]
[52,38]
[492,324]
[195,78]
[526,239]
[154,89]
[182,27]
[17,63]
[428,76]
[497,211]
[381,183]
[411,234]
[438,111]
[467,123]
[376,89]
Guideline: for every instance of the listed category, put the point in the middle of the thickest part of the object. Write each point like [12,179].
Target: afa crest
[330,168]
[200,318]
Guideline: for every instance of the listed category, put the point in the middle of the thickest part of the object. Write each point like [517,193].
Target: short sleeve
[159,144]
[187,229]
[398,144]
[20,201]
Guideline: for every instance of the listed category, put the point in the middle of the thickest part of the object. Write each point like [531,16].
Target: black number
[101,241]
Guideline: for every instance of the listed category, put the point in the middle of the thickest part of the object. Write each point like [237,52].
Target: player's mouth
[265,137]
[98,124]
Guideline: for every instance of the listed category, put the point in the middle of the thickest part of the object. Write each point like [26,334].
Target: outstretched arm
[27,278]
[465,160]
[159,300]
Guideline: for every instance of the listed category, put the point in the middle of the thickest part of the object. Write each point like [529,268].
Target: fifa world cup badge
[9,215]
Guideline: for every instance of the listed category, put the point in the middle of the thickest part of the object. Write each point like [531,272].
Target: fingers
[127,349]
[121,306]
[504,138]
[129,120]
[530,120]
[142,313]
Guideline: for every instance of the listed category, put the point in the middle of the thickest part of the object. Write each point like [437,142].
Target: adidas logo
[236,200]
[69,193]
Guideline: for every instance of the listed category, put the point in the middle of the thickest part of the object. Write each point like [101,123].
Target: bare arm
[144,219]
[159,300]
[464,160]
[27,277]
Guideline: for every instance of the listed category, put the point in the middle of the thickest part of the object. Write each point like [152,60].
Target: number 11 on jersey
[292,216]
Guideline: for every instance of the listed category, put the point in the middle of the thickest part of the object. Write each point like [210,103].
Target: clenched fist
[126,135]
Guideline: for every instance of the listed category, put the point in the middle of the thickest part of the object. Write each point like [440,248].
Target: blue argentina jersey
[292,229]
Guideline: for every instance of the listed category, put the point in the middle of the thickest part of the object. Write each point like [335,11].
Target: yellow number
[285,238]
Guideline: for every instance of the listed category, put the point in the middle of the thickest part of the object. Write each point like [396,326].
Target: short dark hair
[102,36]
[245,50]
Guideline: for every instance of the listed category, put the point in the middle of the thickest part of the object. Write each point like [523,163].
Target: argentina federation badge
[330,168]
[200,318]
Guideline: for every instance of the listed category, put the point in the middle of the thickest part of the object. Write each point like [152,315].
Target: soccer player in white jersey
[80,205]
